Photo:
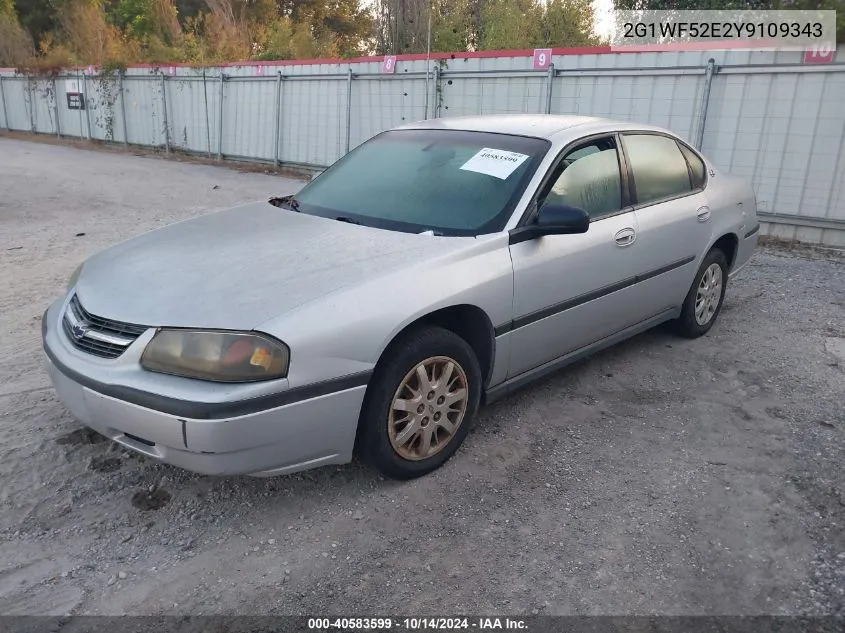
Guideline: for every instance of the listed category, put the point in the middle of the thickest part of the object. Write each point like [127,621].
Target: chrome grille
[96,335]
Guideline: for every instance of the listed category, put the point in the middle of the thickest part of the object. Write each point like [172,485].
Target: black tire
[686,325]
[398,361]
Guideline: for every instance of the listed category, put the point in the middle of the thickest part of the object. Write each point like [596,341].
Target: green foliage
[15,43]
[115,33]
[518,24]
[566,23]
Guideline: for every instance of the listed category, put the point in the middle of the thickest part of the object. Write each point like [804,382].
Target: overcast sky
[604,24]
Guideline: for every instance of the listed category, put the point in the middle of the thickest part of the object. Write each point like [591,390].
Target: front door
[573,290]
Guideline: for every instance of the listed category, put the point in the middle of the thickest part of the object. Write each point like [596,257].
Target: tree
[566,23]
[15,43]
[469,25]
[345,22]
[38,17]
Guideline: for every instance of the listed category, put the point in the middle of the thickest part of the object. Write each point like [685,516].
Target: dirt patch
[79,437]
[150,500]
[102,464]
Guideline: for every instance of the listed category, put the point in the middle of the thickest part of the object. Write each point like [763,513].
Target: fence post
[56,108]
[705,102]
[550,80]
[427,85]
[348,107]
[207,123]
[3,100]
[31,104]
[86,107]
[435,109]
[122,95]
[164,113]
[220,121]
[278,124]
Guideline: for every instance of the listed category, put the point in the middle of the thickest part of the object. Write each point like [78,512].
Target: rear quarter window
[696,167]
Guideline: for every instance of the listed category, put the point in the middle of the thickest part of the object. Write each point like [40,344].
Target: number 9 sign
[542,58]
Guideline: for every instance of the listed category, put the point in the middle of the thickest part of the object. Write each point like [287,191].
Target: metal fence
[763,115]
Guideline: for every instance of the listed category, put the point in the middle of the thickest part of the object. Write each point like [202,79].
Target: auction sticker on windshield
[495,162]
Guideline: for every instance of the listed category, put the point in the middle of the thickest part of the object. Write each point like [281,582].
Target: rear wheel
[421,403]
[704,299]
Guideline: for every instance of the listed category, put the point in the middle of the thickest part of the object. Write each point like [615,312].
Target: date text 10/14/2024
[415,624]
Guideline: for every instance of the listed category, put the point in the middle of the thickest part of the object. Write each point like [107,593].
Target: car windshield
[446,181]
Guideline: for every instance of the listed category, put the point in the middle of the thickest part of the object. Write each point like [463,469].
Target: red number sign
[389,64]
[820,54]
[542,58]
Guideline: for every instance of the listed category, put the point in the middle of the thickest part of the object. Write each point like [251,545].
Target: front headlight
[217,356]
[71,282]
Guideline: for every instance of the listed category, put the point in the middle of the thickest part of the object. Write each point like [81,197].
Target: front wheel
[704,299]
[421,403]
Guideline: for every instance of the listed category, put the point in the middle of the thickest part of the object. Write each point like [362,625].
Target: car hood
[238,268]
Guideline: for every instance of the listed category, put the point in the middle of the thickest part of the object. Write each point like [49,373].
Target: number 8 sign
[389,64]
[542,58]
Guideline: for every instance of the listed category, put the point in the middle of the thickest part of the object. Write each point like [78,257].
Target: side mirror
[553,219]
[561,219]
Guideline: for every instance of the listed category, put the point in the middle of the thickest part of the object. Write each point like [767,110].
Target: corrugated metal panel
[144,113]
[249,108]
[379,104]
[42,105]
[17,102]
[70,121]
[189,126]
[785,132]
[494,95]
[781,126]
[313,120]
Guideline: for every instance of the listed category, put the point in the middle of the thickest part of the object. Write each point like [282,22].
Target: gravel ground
[664,476]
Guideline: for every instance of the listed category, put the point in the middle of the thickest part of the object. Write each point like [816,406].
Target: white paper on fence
[495,162]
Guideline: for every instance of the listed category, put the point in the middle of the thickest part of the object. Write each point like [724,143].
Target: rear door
[673,215]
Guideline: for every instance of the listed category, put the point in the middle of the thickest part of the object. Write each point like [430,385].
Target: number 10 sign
[542,58]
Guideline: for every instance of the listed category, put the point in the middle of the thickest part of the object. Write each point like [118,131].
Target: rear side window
[659,168]
[696,166]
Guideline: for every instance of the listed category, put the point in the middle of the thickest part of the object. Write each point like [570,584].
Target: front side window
[659,168]
[589,178]
[447,181]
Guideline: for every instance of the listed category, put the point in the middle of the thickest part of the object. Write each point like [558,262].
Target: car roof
[548,126]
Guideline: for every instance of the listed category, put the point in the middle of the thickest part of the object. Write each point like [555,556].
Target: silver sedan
[438,266]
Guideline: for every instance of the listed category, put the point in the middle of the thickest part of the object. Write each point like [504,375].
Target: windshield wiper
[285,201]
[343,218]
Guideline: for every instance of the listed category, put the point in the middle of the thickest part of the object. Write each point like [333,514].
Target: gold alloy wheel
[427,408]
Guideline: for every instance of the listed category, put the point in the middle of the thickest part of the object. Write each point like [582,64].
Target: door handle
[625,237]
[703,214]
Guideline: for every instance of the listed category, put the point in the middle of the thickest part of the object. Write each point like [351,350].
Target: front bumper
[299,428]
